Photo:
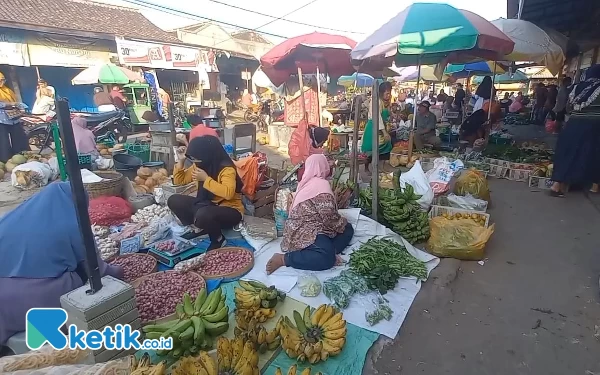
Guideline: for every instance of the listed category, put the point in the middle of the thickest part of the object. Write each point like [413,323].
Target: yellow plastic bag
[473,182]
[461,239]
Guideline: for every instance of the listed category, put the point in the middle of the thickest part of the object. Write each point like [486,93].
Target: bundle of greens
[382,262]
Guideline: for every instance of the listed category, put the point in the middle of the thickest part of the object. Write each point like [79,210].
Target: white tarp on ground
[399,299]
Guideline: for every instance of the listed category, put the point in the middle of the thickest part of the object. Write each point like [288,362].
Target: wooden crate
[500,162]
[520,175]
[498,171]
[540,182]
[440,210]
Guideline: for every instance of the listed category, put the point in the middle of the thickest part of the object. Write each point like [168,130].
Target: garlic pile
[190,264]
[100,231]
[108,248]
[149,213]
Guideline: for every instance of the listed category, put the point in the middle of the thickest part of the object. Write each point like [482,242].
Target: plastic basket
[85,161]
[521,175]
[441,210]
[442,200]
[108,143]
[141,150]
[280,218]
[540,182]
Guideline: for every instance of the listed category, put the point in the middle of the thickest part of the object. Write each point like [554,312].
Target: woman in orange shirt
[218,203]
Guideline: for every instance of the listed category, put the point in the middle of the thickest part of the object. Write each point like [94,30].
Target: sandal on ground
[556,194]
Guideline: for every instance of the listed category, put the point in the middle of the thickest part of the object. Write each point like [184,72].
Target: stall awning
[13,50]
[67,51]
[164,56]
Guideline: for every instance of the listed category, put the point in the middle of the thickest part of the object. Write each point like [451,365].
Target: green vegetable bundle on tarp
[382,262]
[473,182]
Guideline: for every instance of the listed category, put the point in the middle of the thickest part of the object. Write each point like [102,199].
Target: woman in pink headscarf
[85,140]
[315,233]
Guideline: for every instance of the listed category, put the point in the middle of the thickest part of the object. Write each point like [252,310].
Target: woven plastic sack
[460,239]
[44,357]
[473,182]
[120,366]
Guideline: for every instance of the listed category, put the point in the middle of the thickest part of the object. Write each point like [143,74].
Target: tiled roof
[78,15]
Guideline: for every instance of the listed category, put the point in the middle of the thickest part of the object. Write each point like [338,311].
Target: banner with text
[67,52]
[161,56]
[13,50]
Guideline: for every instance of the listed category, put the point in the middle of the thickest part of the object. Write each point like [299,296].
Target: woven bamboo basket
[112,185]
[233,275]
[154,269]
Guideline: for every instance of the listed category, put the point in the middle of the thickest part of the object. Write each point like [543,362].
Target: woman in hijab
[315,233]
[12,136]
[385,140]
[218,203]
[577,156]
[85,140]
[483,93]
[35,270]
[306,140]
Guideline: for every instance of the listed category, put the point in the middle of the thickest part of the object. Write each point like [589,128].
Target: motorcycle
[261,114]
[107,127]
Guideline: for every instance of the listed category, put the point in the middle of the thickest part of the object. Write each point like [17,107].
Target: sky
[355,21]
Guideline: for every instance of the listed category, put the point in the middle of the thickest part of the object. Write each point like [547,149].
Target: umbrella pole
[411,137]
[375,149]
[354,171]
[319,94]
[301,82]
[492,93]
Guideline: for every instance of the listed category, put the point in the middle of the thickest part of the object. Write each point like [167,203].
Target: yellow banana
[293,370]
[314,358]
[337,343]
[291,353]
[224,353]
[278,371]
[333,320]
[324,355]
[246,356]
[262,336]
[255,371]
[326,315]
[237,348]
[314,320]
[308,350]
[318,347]
[271,335]
[208,363]
[301,358]
[246,369]
[254,359]
[337,325]
[306,371]
[275,344]
[335,335]
[159,369]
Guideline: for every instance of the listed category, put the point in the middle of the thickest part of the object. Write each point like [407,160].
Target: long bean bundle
[382,262]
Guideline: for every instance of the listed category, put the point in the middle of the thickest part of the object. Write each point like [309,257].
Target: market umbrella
[411,74]
[358,79]
[532,44]
[480,68]
[105,74]
[427,34]
[515,77]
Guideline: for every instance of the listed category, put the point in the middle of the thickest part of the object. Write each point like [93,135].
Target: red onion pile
[159,293]
[135,266]
[224,261]
[107,211]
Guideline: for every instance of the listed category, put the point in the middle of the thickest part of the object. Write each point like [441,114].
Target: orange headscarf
[6,94]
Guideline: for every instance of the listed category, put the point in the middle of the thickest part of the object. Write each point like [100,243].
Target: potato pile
[106,151]
[478,218]
[147,180]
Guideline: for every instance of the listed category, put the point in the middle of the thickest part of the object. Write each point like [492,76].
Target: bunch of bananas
[315,337]
[198,321]
[236,357]
[145,367]
[202,364]
[250,330]
[294,371]
[256,296]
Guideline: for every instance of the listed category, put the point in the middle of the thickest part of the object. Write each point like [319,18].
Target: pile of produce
[474,183]
[543,171]
[249,329]
[314,337]
[191,264]
[41,359]
[523,154]
[399,211]
[17,159]
[107,211]
[342,192]
[254,296]
[108,248]
[135,265]
[146,180]
[225,261]
[341,288]
[234,357]
[294,371]
[158,294]
[173,246]
[150,213]
[198,322]
[145,367]
[382,311]
[382,262]
[478,218]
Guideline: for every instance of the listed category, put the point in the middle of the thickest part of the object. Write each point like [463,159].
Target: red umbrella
[330,53]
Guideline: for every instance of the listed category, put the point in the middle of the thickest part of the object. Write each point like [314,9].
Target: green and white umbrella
[106,74]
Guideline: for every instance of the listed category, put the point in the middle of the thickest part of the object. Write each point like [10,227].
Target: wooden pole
[319,93]
[301,83]
[375,149]
[492,93]
[411,136]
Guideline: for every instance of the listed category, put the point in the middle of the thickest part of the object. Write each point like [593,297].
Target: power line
[194,17]
[283,19]
[287,14]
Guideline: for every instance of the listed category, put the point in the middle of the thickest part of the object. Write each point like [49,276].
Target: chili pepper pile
[382,262]
[107,211]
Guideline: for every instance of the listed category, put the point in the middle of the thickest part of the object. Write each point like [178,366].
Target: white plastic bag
[417,178]
[31,174]
[443,170]
[309,285]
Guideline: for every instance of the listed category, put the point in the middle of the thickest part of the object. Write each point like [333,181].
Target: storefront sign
[161,56]
[13,50]
[67,52]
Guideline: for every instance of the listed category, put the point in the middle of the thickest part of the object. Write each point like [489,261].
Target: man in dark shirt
[459,97]
[103,100]
[425,124]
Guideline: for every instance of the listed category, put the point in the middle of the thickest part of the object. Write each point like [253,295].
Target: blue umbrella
[481,68]
[361,80]
[517,77]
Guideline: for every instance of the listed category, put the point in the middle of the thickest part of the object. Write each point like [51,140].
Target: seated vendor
[85,140]
[384,138]
[42,256]
[475,129]
[218,203]
[315,233]
[425,124]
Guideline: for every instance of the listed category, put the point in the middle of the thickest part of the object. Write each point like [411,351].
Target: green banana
[217,316]
[272,294]
[268,303]
[275,344]
[179,327]
[159,327]
[198,329]
[257,284]
[194,349]
[179,310]
[249,287]
[188,308]
[188,333]
[177,352]
[187,344]
[214,299]
[299,322]
[200,298]
[162,352]
[216,329]
[220,305]
[306,317]
[153,335]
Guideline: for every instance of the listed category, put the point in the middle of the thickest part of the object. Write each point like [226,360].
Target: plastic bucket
[126,161]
